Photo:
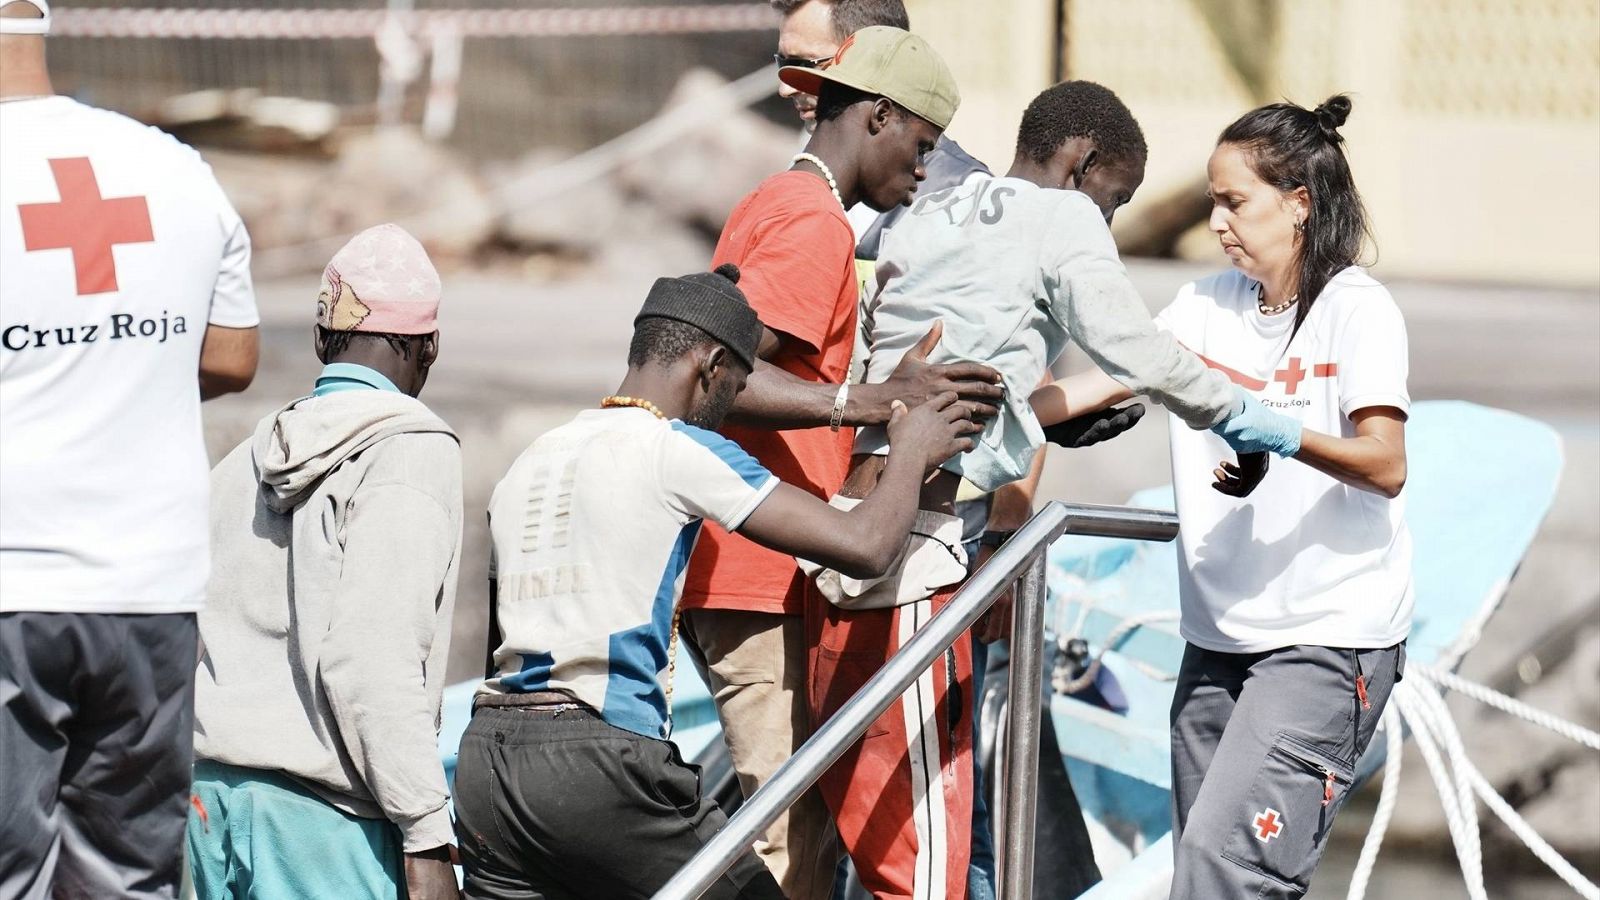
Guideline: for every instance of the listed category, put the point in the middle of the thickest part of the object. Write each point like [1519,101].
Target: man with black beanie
[565,785]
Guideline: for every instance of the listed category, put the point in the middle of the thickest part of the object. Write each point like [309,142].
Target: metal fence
[1020,564]
[553,73]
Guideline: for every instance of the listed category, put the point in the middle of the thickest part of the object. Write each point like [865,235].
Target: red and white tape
[364,23]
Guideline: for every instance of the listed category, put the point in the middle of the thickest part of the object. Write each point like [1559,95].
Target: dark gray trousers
[96,745]
[1264,749]
[562,806]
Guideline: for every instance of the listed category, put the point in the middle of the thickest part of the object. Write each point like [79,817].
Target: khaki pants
[755,665]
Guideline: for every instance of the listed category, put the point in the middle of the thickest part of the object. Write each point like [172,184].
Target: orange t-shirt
[796,255]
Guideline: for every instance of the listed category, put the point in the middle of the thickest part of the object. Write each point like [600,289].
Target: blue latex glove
[1252,428]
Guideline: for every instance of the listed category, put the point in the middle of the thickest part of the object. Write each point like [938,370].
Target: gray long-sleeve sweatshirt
[335,534]
[1014,271]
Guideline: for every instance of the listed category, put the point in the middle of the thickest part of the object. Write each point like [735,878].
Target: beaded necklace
[613,402]
[827,173]
[617,400]
[1272,310]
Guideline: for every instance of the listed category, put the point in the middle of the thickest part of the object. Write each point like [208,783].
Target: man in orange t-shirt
[886,100]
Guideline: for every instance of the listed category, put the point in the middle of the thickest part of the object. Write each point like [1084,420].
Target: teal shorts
[260,835]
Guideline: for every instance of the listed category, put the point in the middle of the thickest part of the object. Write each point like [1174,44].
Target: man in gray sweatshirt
[336,532]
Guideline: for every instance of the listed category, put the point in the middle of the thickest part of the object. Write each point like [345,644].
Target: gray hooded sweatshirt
[335,535]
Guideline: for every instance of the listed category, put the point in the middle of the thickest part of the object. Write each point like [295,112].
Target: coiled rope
[1418,703]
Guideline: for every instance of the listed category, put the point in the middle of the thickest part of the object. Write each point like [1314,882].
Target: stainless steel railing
[1021,562]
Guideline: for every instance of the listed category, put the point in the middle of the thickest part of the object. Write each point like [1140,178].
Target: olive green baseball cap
[889,62]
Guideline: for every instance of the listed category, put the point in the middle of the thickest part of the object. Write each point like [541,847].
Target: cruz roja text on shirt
[116,327]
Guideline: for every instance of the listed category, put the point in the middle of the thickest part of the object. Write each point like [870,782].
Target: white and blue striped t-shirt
[592,529]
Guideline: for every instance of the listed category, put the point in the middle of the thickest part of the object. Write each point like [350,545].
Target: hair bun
[1331,114]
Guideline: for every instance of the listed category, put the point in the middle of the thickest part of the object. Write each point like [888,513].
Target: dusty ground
[520,356]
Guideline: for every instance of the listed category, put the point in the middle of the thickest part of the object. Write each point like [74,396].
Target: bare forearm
[861,542]
[774,398]
[1368,462]
[213,386]
[876,529]
[1076,395]
[228,358]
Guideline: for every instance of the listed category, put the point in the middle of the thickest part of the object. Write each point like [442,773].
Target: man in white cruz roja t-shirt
[125,281]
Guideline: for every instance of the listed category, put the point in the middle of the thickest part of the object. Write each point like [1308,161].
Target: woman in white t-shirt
[1295,581]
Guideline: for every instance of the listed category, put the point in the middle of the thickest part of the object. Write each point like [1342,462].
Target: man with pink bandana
[336,533]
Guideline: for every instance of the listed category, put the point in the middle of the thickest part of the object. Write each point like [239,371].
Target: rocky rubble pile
[664,202]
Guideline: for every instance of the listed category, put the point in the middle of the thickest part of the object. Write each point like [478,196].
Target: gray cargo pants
[1264,748]
[96,744]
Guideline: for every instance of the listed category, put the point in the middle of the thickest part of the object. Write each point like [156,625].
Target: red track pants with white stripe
[902,795]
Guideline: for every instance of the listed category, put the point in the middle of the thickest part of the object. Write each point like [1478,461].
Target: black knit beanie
[711,302]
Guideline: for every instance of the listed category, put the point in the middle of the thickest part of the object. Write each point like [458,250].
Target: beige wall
[1000,51]
[1475,138]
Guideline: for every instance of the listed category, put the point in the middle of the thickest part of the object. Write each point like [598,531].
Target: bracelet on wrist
[839,401]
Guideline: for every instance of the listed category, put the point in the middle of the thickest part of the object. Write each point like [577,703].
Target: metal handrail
[1022,557]
[1019,794]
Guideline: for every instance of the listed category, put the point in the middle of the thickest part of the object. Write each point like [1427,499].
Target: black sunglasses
[802,62]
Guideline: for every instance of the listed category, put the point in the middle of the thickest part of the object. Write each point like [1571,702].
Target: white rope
[1408,696]
[1473,786]
[1394,755]
[1419,703]
[1570,730]
[1444,727]
[1123,629]
[1086,603]
[1520,827]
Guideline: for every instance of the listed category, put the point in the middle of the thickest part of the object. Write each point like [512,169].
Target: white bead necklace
[1272,310]
[827,173]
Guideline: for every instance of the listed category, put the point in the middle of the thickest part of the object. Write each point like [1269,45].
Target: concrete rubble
[243,119]
[699,177]
[666,203]
[393,174]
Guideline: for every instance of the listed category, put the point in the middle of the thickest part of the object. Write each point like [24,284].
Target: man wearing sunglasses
[884,101]
[809,36]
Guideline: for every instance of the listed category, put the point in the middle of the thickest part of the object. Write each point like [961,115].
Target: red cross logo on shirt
[1295,373]
[1292,376]
[86,224]
[1268,825]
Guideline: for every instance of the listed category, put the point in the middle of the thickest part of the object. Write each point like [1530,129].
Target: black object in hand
[1239,480]
[1092,428]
